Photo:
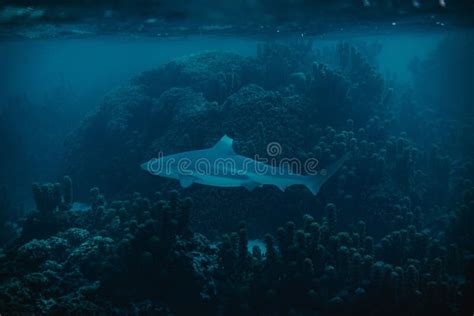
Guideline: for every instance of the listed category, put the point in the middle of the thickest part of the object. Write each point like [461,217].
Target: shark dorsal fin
[224,145]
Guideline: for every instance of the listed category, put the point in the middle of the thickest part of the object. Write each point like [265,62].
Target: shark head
[163,166]
[144,166]
[154,166]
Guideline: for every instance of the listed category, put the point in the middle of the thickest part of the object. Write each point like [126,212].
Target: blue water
[377,93]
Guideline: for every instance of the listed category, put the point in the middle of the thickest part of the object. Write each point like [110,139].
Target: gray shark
[221,166]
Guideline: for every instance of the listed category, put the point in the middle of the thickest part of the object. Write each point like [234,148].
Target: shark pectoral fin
[186,181]
[250,185]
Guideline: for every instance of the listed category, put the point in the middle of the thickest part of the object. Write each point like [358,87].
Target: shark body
[220,166]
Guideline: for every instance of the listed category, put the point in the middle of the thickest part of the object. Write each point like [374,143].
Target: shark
[221,166]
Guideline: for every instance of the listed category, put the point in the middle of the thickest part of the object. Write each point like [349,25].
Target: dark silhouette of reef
[139,256]
[131,256]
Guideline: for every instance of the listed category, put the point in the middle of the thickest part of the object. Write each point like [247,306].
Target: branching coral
[81,267]
[312,268]
[308,272]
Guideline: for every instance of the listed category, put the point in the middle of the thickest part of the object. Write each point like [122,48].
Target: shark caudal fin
[314,183]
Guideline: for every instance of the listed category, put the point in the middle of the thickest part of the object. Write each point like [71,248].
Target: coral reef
[191,102]
[140,256]
[391,233]
[137,251]
[214,74]
[317,269]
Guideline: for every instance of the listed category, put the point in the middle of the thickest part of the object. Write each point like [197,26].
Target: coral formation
[180,107]
[140,255]
[80,266]
[391,233]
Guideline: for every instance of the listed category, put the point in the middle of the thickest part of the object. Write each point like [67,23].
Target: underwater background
[91,90]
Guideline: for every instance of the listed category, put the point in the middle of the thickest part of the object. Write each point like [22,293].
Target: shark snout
[144,166]
[152,166]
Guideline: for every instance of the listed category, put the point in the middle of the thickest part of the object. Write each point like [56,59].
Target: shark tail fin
[314,183]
